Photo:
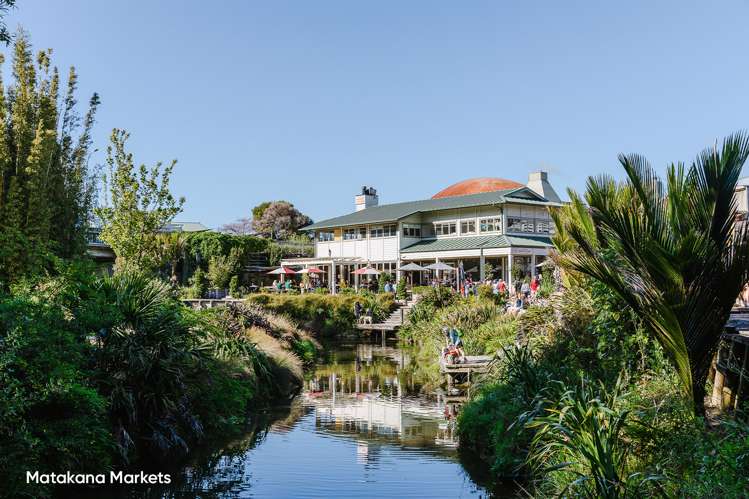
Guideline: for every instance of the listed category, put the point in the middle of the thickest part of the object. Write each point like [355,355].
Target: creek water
[366,424]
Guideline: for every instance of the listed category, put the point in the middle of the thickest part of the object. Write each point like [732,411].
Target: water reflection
[361,428]
[367,390]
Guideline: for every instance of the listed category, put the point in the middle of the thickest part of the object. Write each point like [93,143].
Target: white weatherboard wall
[379,249]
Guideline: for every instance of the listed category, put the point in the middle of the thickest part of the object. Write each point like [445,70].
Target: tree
[46,189]
[172,246]
[675,253]
[242,227]
[141,205]
[222,267]
[5,6]
[281,220]
[257,211]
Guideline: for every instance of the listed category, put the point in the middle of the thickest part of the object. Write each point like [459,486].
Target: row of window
[360,233]
[530,225]
[467,227]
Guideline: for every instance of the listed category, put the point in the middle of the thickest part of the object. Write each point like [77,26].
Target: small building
[486,226]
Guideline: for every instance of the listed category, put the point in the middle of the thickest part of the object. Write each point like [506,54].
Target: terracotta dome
[477,185]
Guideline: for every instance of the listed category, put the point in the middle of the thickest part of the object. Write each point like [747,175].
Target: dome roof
[477,185]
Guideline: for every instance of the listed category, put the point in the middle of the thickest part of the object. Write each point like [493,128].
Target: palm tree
[675,254]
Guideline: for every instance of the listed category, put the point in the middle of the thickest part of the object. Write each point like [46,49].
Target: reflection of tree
[220,468]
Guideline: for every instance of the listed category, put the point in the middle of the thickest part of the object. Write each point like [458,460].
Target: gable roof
[396,211]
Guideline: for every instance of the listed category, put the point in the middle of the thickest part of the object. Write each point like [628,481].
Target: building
[485,225]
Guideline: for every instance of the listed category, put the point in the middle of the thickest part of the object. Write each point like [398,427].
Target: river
[366,424]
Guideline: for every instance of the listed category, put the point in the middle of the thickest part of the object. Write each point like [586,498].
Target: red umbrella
[282,270]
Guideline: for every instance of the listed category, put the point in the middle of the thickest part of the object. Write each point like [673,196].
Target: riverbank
[579,383]
[99,373]
[362,426]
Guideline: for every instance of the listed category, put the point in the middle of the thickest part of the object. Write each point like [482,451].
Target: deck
[392,323]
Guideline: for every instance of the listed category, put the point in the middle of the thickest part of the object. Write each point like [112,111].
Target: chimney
[366,199]
[538,182]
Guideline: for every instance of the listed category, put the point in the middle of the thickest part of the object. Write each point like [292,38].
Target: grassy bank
[485,328]
[324,313]
[587,405]
[101,372]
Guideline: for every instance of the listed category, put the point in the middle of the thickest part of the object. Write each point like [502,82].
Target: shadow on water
[362,427]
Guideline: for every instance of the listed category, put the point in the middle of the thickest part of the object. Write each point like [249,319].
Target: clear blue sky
[309,100]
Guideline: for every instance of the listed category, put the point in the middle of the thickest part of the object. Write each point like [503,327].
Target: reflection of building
[477,223]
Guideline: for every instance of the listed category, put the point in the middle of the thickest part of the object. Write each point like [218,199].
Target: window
[468,227]
[357,233]
[324,236]
[444,228]
[516,224]
[543,227]
[383,231]
[493,224]
[411,231]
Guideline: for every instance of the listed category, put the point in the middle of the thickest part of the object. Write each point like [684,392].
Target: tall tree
[281,220]
[139,205]
[46,189]
[675,252]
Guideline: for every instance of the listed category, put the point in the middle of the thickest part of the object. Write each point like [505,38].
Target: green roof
[477,242]
[396,211]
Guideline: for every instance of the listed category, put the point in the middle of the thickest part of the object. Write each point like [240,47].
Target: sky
[308,101]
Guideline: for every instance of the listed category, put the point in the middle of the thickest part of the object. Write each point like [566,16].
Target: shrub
[400,289]
[234,286]
[328,314]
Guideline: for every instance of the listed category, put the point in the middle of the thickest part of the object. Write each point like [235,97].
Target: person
[455,335]
[525,288]
[518,284]
[534,285]
[357,311]
[275,284]
[502,286]
[287,285]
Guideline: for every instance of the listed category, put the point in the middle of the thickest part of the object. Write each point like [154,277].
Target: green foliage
[51,417]
[583,436]
[140,204]
[400,289]
[234,286]
[45,185]
[221,268]
[198,284]
[672,251]
[328,314]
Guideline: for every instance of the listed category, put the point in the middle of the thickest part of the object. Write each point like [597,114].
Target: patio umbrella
[367,271]
[440,266]
[411,267]
[310,270]
[282,270]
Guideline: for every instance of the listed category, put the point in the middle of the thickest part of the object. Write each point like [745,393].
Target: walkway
[392,323]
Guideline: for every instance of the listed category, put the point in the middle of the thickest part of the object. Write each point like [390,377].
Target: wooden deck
[392,323]
[472,364]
